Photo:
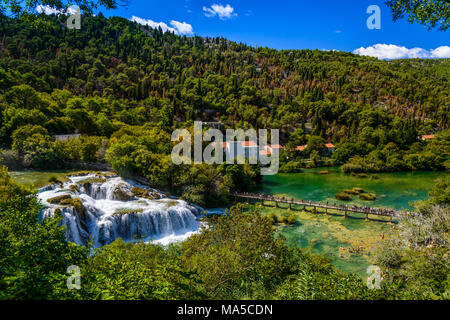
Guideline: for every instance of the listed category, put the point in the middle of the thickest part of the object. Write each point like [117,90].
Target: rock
[59,199]
[122,193]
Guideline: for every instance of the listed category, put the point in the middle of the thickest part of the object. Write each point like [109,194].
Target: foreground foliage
[236,256]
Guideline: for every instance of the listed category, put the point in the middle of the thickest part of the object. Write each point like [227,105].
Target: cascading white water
[105,208]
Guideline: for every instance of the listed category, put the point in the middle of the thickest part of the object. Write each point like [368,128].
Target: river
[333,236]
[337,238]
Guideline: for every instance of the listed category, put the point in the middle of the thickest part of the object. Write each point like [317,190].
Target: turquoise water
[333,236]
[394,190]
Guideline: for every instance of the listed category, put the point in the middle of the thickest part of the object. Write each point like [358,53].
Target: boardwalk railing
[327,206]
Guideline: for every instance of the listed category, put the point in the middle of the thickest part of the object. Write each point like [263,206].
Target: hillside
[125,87]
[141,71]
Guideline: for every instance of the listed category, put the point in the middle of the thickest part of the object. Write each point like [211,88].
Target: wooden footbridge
[327,206]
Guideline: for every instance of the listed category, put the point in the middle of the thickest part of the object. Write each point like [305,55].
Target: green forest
[125,87]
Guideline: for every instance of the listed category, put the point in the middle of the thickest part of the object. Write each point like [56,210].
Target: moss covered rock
[343,196]
[127,211]
[368,196]
[122,193]
[59,199]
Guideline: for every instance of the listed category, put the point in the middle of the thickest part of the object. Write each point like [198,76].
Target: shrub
[53,179]
[291,167]
[350,191]
[283,220]
[272,218]
[343,196]
[291,219]
[368,196]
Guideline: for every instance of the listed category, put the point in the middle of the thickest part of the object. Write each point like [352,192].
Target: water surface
[348,243]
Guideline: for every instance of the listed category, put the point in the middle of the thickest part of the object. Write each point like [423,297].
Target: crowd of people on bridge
[342,207]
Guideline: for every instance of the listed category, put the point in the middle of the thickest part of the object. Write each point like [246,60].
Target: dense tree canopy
[431,13]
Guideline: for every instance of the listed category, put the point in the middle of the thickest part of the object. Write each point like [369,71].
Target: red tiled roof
[428,136]
[329,145]
[249,144]
[301,148]
[276,146]
[224,144]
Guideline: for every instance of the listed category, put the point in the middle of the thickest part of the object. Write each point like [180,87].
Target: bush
[368,196]
[53,179]
[291,167]
[350,191]
[272,218]
[343,196]
[283,220]
[10,159]
[291,219]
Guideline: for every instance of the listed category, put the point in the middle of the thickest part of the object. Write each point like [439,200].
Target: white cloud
[392,51]
[441,52]
[49,10]
[182,27]
[223,12]
[177,27]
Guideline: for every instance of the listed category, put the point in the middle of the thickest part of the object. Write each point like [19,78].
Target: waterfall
[105,208]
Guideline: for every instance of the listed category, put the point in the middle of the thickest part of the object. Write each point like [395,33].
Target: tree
[431,13]
[139,271]
[416,254]
[34,256]
[20,135]
[235,254]
[27,10]
[39,152]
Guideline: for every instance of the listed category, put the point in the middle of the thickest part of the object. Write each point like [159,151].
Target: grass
[93,180]
[39,179]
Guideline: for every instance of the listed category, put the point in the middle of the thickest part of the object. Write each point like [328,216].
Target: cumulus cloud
[180,28]
[49,10]
[441,52]
[223,12]
[392,51]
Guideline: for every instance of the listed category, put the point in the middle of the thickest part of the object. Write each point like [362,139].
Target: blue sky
[293,24]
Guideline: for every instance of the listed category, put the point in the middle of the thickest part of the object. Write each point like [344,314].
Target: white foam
[164,221]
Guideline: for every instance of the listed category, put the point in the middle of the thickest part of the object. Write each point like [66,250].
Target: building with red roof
[427,137]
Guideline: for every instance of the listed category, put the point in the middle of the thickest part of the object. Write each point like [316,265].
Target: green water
[393,190]
[332,235]
[38,178]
